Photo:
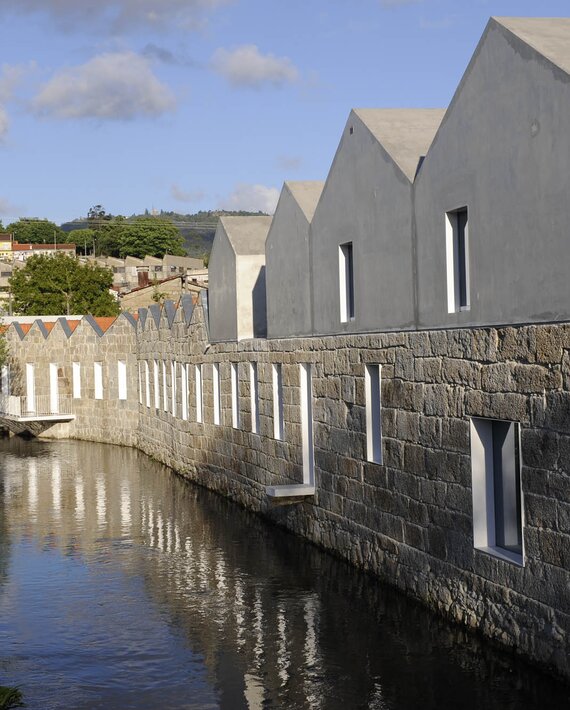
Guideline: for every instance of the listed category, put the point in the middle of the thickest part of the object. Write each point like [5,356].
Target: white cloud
[115,86]
[186,196]
[122,15]
[246,66]
[251,198]
[167,56]
[4,124]
[11,76]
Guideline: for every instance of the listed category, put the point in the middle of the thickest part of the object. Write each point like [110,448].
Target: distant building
[21,252]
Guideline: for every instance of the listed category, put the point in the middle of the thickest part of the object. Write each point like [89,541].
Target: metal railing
[38,406]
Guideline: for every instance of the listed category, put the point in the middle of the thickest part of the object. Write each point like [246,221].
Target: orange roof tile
[105,322]
[25,327]
[72,324]
[49,326]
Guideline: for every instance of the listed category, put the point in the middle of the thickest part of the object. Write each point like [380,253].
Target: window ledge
[296,490]
[504,555]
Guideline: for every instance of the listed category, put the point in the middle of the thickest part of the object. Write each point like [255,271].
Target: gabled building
[237,278]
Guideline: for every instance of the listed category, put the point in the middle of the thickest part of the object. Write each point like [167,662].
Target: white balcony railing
[37,407]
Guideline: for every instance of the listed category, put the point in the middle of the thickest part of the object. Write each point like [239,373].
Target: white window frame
[199,394]
[373,393]
[53,389]
[254,397]
[156,382]
[76,379]
[122,379]
[98,380]
[453,262]
[173,387]
[184,390]
[277,377]
[216,394]
[147,383]
[483,489]
[307,439]
[346,281]
[164,388]
[234,376]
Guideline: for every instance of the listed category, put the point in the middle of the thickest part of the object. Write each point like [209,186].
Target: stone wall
[408,520]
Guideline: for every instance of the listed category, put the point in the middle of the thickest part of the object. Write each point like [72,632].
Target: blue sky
[205,104]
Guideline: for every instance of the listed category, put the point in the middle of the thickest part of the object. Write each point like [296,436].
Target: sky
[190,105]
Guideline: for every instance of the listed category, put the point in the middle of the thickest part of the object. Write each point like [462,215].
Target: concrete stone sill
[504,555]
[296,490]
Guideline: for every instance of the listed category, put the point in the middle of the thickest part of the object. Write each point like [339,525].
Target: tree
[60,285]
[149,236]
[36,231]
[84,238]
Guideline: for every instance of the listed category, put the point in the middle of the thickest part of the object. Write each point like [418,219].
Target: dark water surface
[122,586]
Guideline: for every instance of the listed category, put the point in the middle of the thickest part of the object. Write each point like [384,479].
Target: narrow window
[164,389]
[234,374]
[457,257]
[277,401]
[53,389]
[199,400]
[98,379]
[184,390]
[5,380]
[140,383]
[372,385]
[216,393]
[156,385]
[76,379]
[30,388]
[307,424]
[497,496]
[173,386]
[254,397]
[146,383]
[122,379]
[346,282]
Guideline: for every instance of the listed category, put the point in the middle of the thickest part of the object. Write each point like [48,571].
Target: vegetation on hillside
[35,231]
[61,285]
[107,235]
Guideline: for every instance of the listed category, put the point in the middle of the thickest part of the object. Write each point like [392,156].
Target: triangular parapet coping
[170,309]
[156,312]
[45,327]
[22,329]
[187,307]
[99,324]
[130,318]
[205,309]
[68,326]
[143,314]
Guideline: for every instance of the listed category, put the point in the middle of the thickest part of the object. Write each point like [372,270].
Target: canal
[123,586]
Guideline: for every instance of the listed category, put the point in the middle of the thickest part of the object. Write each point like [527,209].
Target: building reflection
[277,622]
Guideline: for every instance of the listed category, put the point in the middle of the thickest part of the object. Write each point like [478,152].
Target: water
[122,586]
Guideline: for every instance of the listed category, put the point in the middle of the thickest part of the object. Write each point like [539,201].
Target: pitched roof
[307,194]
[549,36]
[247,235]
[404,133]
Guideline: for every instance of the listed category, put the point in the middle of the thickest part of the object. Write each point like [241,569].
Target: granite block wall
[408,520]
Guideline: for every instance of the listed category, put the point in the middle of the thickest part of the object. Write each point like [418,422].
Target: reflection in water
[123,586]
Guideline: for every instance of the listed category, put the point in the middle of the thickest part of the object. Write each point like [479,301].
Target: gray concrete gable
[170,311]
[155,312]
[187,306]
[549,36]
[247,235]
[306,194]
[143,313]
[405,134]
